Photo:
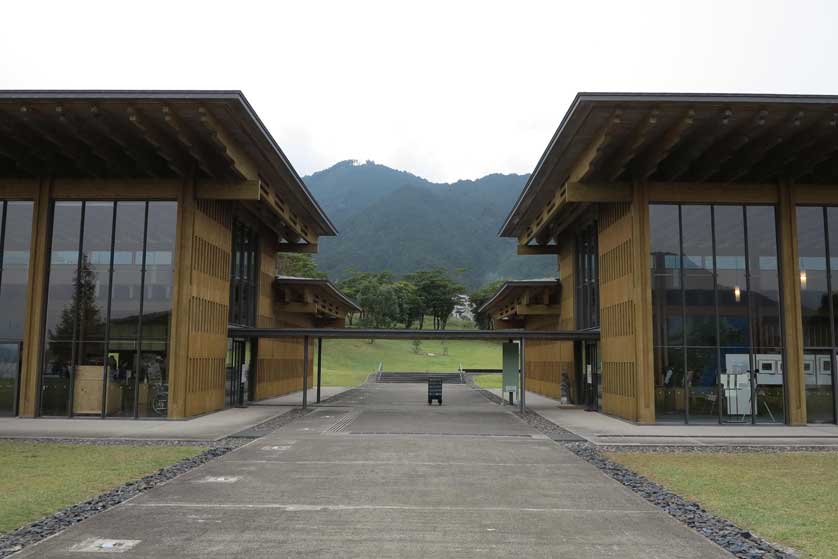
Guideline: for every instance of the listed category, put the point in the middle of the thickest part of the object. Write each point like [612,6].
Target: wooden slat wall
[208,307]
[617,310]
[546,360]
[279,361]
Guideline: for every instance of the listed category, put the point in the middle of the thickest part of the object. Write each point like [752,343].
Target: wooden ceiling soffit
[712,160]
[592,156]
[757,150]
[228,190]
[796,150]
[306,248]
[681,161]
[619,158]
[295,229]
[192,142]
[216,133]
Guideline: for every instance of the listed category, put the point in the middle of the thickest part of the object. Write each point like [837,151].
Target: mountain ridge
[392,220]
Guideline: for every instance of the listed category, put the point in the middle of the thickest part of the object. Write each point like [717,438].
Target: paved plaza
[378,473]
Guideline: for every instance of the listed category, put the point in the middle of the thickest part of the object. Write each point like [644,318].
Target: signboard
[510,367]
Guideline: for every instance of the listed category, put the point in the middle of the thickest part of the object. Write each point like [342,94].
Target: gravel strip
[740,542]
[714,449]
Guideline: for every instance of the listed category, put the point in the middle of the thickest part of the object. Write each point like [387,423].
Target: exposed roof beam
[590,158]
[712,160]
[681,161]
[646,165]
[740,166]
[798,145]
[168,148]
[527,250]
[307,248]
[191,142]
[242,164]
[618,159]
[109,128]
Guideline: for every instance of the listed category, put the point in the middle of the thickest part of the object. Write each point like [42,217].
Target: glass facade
[716,314]
[244,276]
[108,309]
[817,242]
[15,243]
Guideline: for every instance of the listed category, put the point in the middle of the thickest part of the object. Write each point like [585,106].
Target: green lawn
[37,479]
[788,498]
[488,381]
[349,362]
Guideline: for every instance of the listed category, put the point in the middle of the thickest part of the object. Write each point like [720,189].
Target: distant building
[462,309]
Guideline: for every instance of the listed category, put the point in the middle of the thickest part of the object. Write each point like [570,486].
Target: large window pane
[700,308]
[121,372]
[764,276]
[832,222]
[95,270]
[63,273]
[160,250]
[670,399]
[817,369]
[666,276]
[811,243]
[702,389]
[14,273]
[154,380]
[127,269]
[9,372]
[768,385]
[731,282]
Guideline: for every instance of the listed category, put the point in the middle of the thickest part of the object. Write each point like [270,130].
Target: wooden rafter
[740,166]
[108,127]
[629,148]
[681,161]
[590,158]
[191,142]
[646,164]
[217,134]
[100,145]
[712,160]
[814,156]
[163,144]
[795,149]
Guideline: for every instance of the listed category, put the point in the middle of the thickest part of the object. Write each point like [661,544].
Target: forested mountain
[390,220]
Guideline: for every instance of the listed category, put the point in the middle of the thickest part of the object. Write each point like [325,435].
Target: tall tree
[298,265]
[479,298]
[437,291]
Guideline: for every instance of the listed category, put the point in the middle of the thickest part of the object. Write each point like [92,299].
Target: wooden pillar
[792,316]
[179,333]
[643,305]
[35,298]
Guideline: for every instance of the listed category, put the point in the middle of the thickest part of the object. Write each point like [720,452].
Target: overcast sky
[446,90]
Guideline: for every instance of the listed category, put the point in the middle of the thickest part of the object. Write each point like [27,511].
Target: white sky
[446,90]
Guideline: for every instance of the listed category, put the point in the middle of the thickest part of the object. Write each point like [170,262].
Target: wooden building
[699,234]
[135,227]
[538,304]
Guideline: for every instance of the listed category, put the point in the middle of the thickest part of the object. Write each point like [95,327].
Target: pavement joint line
[316,508]
[376,463]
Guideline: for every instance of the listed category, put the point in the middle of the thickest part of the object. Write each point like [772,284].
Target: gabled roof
[684,138]
[512,288]
[325,286]
[147,134]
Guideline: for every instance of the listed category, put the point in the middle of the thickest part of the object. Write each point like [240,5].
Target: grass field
[349,362]
[37,479]
[488,381]
[788,498]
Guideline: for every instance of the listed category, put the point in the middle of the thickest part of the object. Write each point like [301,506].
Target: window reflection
[95,297]
[707,371]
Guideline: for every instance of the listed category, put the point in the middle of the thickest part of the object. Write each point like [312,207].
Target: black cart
[434,390]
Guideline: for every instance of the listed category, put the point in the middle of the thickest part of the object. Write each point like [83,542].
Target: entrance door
[238,369]
[591,375]
[9,377]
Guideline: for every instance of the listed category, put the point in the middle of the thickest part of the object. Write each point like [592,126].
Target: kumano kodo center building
[698,234]
[135,228]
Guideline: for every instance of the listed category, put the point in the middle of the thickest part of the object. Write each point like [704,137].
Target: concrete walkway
[379,473]
[208,427]
[602,429]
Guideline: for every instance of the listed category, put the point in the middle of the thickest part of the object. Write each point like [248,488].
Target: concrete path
[379,473]
[602,429]
[208,427]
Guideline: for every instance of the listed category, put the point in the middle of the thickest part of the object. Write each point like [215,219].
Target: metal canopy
[402,334]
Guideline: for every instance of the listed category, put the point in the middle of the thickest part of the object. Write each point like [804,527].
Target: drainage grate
[102,545]
[341,424]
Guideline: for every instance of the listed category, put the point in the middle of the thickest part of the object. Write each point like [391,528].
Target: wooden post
[792,314]
[179,333]
[319,368]
[35,299]
[643,306]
